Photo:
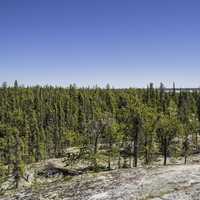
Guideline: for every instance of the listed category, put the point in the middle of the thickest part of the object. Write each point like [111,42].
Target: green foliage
[37,123]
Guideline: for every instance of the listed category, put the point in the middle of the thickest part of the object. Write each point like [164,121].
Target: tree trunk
[165,150]
[119,161]
[185,162]
[136,149]
[109,157]
[95,152]
[186,149]
[125,163]
[196,141]
[146,151]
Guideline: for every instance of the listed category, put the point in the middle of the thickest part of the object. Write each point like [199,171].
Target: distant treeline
[37,123]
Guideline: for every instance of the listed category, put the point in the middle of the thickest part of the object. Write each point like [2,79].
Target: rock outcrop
[173,182]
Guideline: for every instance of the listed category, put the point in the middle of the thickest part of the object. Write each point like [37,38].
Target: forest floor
[172,182]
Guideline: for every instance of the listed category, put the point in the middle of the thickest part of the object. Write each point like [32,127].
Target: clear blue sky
[88,42]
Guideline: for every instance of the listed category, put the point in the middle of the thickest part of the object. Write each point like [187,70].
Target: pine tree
[184,118]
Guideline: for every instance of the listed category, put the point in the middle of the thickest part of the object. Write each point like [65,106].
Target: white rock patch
[99,196]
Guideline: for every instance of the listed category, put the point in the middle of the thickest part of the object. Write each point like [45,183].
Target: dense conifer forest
[125,126]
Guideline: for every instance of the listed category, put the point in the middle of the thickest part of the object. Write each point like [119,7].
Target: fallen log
[51,170]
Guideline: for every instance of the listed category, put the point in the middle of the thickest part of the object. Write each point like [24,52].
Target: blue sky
[88,42]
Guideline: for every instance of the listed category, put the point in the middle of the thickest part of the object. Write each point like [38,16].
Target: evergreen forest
[109,127]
